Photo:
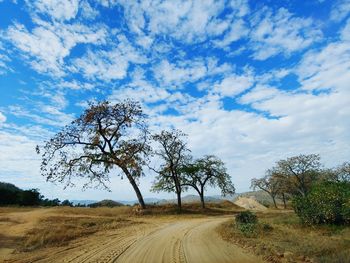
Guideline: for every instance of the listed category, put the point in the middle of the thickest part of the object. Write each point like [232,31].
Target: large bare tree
[209,170]
[174,154]
[106,136]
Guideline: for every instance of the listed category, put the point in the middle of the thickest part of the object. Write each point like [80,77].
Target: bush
[246,222]
[326,203]
[246,217]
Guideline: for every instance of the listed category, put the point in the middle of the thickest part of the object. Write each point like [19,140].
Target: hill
[107,203]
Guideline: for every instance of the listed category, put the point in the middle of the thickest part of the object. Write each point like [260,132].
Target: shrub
[326,203]
[246,222]
[246,217]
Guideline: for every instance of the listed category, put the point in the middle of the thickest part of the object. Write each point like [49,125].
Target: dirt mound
[250,203]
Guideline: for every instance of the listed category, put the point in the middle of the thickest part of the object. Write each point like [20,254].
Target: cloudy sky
[249,81]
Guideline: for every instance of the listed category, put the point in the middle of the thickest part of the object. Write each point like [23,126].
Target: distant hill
[150,201]
[191,199]
[9,187]
[107,203]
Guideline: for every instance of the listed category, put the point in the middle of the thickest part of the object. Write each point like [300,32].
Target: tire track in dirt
[191,240]
[187,241]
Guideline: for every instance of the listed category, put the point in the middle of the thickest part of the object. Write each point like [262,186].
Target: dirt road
[186,241]
[191,240]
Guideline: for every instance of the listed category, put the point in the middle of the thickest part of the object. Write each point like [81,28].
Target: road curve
[190,241]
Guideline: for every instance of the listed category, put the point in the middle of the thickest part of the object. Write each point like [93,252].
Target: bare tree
[341,173]
[268,184]
[300,172]
[209,170]
[174,154]
[104,137]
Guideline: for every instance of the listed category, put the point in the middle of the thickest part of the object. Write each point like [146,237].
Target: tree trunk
[136,188]
[202,199]
[284,201]
[178,193]
[274,201]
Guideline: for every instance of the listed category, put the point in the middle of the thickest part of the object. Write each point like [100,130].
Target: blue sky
[249,81]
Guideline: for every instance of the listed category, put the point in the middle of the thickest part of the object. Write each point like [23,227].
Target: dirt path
[188,241]
[183,240]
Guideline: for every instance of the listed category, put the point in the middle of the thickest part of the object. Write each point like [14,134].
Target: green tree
[326,203]
[66,203]
[106,136]
[30,197]
[209,170]
[174,154]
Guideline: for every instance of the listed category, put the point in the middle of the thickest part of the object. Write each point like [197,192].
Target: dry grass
[193,209]
[58,230]
[289,241]
[14,209]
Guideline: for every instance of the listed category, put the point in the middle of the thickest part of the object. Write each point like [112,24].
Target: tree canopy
[174,154]
[207,171]
[104,137]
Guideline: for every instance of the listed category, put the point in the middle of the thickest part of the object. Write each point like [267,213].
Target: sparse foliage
[104,137]
[339,174]
[174,154]
[301,172]
[269,184]
[209,170]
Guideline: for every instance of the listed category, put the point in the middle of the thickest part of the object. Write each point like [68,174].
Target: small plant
[246,217]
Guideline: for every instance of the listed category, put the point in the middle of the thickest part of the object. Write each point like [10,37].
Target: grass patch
[59,230]
[280,237]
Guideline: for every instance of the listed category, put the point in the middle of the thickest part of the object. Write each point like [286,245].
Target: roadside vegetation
[278,236]
[318,229]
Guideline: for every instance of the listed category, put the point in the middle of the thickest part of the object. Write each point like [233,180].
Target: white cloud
[238,30]
[233,85]
[177,74]
[258,94]
[327,68]
[280,32]
[2,117]
[345,32]
[57,9]
[87,11]
[340,10]
[139,89]
[4,60]
[48,115]
[15,148]
[107,65]
[47,45]
[188,21]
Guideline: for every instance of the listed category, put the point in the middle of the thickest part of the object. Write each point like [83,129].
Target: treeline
[109,136]
[318,194]
[12,195]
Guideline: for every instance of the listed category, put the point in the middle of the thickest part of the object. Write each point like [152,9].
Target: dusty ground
[250,203]
[144,239]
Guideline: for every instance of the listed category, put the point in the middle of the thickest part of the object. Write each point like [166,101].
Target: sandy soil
[172,240]
[250,203]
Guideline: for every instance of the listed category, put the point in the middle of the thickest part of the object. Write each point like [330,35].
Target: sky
[250,81]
